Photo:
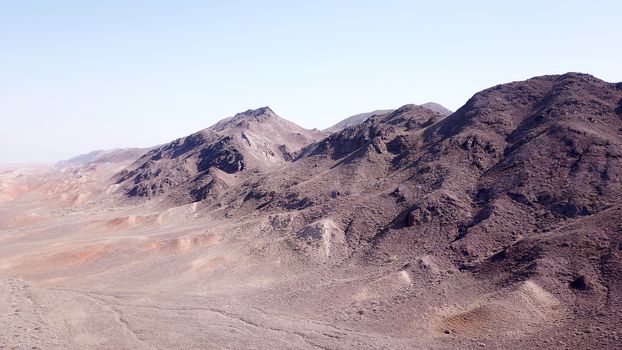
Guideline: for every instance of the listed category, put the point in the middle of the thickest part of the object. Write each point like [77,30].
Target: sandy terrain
[107,278]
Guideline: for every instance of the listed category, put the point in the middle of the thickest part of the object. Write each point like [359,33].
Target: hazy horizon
[79,77]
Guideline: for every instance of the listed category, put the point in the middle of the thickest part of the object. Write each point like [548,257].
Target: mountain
[496,226]
[437,108]
[199,165]
[119,155]
[533,154]
[354,120]
[519,189]
[360,118]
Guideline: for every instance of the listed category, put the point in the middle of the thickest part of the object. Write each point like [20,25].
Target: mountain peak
[187,168]
[254,113]
[261,115]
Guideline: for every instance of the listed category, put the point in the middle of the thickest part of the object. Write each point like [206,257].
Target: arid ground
[495,226]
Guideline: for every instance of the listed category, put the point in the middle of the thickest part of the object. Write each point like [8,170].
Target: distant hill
[360,118]
[118,155]
[437,108]
[354,120]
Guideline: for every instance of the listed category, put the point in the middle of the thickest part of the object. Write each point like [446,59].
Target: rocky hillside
[517,160]
[523,184]
[205,163]
[497,226]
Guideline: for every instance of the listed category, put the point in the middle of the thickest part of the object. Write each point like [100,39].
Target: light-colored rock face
[322,240]
[270,128]
[513,312]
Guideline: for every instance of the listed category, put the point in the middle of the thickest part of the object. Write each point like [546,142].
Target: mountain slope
[548,148]
[360,118]
[520,185]
[437,108]
[196,166]
[354,120]
[497,226]
[119,155]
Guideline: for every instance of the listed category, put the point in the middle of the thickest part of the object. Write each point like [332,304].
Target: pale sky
[76,76]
